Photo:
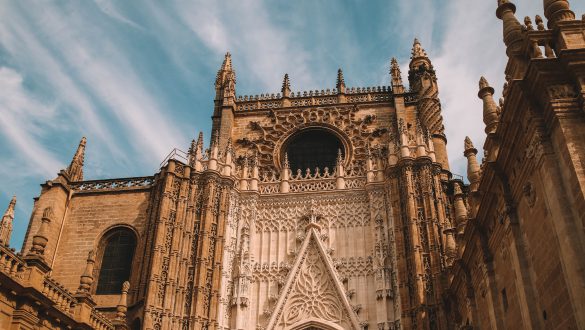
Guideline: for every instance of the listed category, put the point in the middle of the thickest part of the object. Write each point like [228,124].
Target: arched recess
[314,324]
[321,142]
[114,259]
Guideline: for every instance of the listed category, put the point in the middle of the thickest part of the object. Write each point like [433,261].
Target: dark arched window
[118,251]
[312,148]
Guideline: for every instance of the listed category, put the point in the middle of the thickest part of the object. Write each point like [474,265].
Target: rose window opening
[313,148]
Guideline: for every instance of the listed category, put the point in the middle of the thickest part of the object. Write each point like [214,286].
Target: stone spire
[473,169]
[397,86]
[6,222]
[418,55]
[340,85]
[225,72]
[225,81]
[196,153]
[417,50]
[490,109]
[75,169]
[192,151]
[557,11]
[285,86]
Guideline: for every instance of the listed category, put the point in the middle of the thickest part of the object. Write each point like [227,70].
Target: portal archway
[315,324]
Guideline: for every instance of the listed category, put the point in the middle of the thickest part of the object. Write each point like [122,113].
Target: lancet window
[116,263]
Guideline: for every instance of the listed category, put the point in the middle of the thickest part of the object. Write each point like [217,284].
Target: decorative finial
[40,240]
[483,83]
[539,23]
[199,147]
[285,86]
[457,189]
[468,144]
[528,23]
[490,112]
[86,280]
[75,169]
[460,209]
[557,11]
[417,50]
[227,62]
[192,153]
[340,85]
[395,72]
[6,222]
[229,151]
[122,306]
[473,169]
[512,29]
[286,162]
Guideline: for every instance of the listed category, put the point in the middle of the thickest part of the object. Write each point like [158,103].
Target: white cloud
[83,72]
[22,119]
[19,40]
[245,29]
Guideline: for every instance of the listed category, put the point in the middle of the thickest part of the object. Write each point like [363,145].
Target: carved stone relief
[266,138]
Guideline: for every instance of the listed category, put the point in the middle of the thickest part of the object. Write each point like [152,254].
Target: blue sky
[136,77]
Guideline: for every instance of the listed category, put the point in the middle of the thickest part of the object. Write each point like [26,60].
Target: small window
[313,148]
[116,261]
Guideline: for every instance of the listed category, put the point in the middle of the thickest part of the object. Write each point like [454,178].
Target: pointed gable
[313,291]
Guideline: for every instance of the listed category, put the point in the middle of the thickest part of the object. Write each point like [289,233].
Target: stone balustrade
[58,294]
[31,283]
[10,263]
[99,322]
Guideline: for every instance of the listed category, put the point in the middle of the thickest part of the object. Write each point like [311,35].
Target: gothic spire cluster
[75,168]
[226,72]
[417,50]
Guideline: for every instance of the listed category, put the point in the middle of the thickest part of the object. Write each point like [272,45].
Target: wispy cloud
[27,51]
[22,122]
[108,8]
[263,47]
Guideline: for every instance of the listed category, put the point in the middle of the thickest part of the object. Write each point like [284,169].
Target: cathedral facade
[332,209]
